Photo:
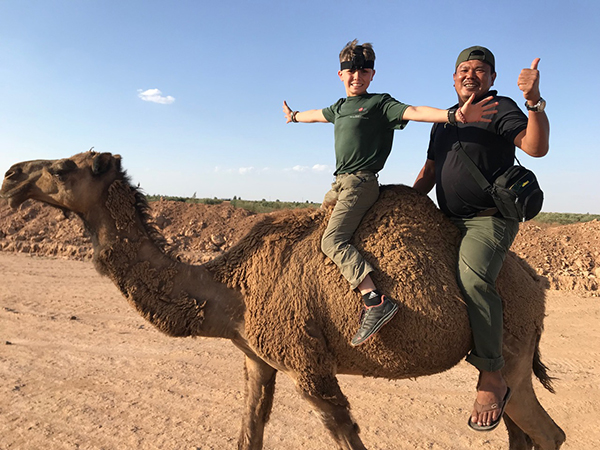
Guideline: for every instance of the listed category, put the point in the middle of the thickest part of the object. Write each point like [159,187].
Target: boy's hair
[348,51]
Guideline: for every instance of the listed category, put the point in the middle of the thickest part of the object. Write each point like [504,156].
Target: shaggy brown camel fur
[279,300]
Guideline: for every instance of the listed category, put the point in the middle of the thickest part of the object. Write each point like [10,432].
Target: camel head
[75,184]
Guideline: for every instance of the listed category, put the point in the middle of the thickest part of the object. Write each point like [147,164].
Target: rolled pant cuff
[486,364]
[356,282]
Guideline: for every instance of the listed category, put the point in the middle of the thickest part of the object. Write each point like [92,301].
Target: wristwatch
[452,116]
[538,107]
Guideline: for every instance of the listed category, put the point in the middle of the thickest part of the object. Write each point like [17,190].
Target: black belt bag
[516,192]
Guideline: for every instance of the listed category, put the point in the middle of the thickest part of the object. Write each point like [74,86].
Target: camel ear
[117,162]
[101,163]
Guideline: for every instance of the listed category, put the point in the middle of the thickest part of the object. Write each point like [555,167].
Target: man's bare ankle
[491,381]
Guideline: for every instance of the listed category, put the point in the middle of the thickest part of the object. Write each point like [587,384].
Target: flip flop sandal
[491,407]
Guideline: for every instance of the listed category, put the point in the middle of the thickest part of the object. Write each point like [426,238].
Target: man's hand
[529,82]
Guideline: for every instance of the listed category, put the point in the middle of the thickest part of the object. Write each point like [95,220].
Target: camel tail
[540,369]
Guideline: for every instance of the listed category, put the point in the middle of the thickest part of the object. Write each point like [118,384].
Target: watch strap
[537,107]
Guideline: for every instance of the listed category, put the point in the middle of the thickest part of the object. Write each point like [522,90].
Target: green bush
[256,206]
[565,218]
[264,206]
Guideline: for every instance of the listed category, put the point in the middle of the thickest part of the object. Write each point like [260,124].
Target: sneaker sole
[385,319]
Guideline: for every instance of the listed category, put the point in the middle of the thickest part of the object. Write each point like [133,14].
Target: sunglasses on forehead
[358,61]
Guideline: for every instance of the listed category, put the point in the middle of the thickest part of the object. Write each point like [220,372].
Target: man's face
[356,82]
[473,77]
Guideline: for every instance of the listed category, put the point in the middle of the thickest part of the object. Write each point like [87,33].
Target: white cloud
[251,170]
[155,96]
[318,168]
[321,168]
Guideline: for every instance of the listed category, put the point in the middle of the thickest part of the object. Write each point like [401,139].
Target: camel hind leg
[258,392]
[528,423]
[517,438]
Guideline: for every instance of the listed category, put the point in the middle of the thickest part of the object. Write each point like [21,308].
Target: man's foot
[492,396]
[373,318]
[488,415]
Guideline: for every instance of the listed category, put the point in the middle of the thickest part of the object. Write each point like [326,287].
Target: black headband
[358,60]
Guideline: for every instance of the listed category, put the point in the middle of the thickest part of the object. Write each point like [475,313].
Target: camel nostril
[12,173]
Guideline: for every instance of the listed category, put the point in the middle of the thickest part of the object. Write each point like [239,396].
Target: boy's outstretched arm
[310,116]
[471,112]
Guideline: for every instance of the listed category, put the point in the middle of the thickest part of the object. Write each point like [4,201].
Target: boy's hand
[287,111]
[310,116]
[475,112]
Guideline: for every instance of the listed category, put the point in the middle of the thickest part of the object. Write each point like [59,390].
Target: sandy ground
[79,369]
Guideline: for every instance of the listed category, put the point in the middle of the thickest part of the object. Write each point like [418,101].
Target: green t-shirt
[364,130]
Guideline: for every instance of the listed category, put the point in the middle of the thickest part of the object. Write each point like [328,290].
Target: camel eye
[59,174]
[61,170]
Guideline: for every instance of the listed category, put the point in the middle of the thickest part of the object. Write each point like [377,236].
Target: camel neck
[179,299]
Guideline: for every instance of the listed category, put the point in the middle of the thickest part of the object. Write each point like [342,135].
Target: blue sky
[189,93]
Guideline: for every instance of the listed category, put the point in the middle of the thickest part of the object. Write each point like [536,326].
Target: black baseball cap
[478,53]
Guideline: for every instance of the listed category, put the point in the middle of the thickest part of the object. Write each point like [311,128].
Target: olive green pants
[354,194]
[483,248]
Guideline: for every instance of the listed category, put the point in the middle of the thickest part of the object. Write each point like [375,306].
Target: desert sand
[79,369]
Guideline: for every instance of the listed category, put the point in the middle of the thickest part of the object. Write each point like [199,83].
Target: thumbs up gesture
[529,82]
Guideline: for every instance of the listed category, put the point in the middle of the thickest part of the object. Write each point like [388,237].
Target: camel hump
[280,269]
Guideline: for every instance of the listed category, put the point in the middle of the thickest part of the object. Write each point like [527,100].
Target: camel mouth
[16,196]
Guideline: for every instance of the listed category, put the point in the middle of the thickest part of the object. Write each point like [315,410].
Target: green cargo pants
[483,248]
[355,194]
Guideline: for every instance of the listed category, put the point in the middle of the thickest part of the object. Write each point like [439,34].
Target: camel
[285,305]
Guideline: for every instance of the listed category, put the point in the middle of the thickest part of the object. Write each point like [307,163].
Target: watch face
[541,105]
[538,107]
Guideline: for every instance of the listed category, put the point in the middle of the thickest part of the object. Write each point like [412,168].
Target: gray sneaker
[373,318]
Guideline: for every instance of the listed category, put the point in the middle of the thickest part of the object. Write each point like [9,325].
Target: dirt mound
[567,256]
[196,232]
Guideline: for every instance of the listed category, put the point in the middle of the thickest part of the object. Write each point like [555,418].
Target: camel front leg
[258,392]
[325,395]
